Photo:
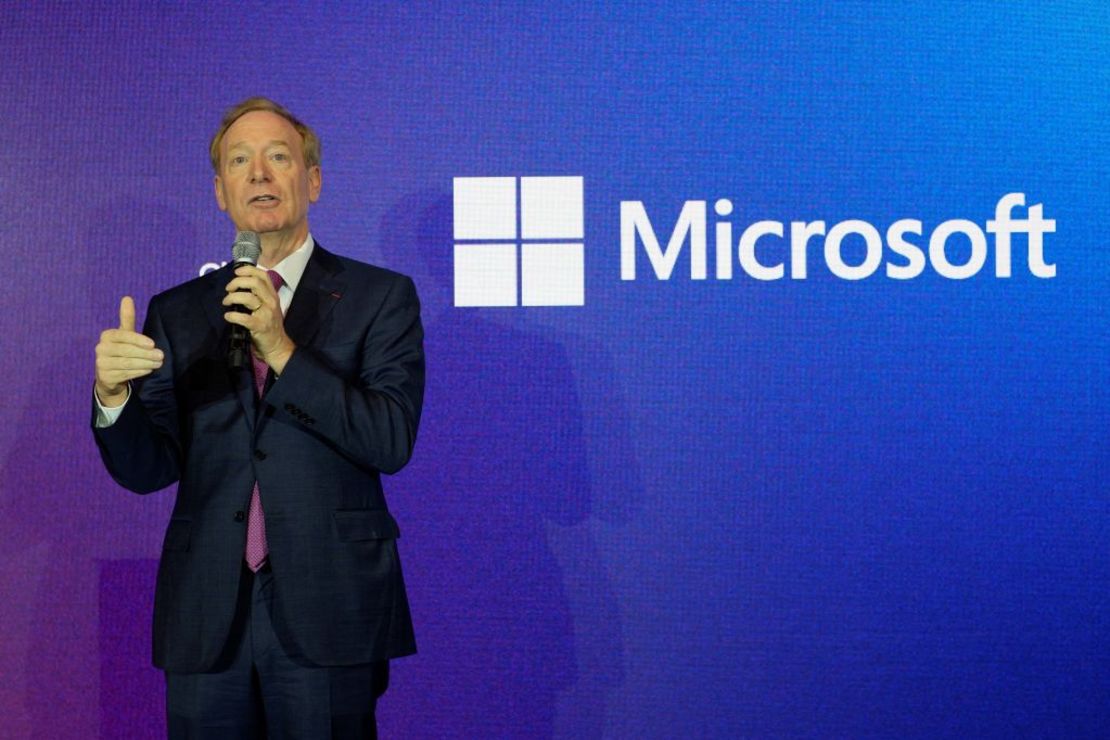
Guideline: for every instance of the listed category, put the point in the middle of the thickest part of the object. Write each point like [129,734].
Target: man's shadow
[499,482]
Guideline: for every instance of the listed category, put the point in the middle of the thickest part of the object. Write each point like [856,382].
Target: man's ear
[219,193]
[315,182]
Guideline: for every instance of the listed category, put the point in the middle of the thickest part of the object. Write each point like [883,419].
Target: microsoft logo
[546,213]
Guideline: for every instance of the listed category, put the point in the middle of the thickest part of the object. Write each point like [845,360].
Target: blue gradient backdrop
[712,508]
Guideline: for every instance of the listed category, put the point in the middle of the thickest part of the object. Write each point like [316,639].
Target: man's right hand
[122,355]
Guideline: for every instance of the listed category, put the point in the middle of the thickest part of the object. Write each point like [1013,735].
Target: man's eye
[279,156]
[238,160]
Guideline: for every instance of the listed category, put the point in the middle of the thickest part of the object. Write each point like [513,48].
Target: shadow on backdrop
[85,543]
[514,612]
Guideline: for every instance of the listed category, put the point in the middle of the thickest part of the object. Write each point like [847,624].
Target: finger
[136,363]
[249,301]
[120,336]
[257,272]
[242,319]
[127,313]
[259,279]
[120,355]
[240,297]
[253,299]
[255,322]
[248,283]
[113,368]
[122,376]
[110,375]
[120,349]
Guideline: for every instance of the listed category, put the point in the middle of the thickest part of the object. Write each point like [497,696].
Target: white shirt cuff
[105,416]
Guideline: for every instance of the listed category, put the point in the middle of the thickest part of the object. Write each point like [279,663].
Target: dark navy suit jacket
[345,409]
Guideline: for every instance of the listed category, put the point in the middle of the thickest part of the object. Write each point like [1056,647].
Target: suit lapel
[317,293]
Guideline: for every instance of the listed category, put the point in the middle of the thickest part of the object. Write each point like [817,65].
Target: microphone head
[247,248]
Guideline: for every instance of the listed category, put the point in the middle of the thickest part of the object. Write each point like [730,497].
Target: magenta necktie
[257,549]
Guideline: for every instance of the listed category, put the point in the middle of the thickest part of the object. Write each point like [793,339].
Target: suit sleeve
[141,450]
[372,421]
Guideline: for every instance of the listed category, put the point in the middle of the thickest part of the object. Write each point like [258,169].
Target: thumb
[127,313]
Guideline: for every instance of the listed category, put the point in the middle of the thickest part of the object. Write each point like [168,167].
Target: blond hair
[310,142]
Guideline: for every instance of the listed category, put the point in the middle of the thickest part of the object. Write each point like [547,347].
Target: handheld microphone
[245,251]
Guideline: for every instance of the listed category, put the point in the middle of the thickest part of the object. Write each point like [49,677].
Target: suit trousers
[263,689]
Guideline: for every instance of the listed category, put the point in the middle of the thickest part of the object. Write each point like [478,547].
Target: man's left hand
[252,289]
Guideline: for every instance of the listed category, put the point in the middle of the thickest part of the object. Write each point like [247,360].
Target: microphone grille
[247,247]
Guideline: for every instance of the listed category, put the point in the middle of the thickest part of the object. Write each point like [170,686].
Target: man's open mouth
[262,199]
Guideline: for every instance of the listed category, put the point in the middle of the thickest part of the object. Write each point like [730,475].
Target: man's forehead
[245,143]
[255,125]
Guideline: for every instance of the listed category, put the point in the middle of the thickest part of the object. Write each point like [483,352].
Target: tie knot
[275,278]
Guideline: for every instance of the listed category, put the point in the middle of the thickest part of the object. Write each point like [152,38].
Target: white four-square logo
[543,266]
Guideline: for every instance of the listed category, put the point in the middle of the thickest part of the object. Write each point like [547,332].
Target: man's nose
[260,171]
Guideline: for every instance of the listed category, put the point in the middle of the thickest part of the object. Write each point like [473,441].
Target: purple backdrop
[714,508]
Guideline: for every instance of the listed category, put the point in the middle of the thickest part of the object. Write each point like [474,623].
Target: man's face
[263,182]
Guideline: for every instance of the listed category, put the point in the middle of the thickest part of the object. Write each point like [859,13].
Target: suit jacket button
[240,516]
[259,455]
[289,407]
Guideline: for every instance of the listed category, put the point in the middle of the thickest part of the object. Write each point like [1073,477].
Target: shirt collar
[292,267]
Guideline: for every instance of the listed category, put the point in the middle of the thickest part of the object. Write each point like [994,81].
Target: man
[279,598]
